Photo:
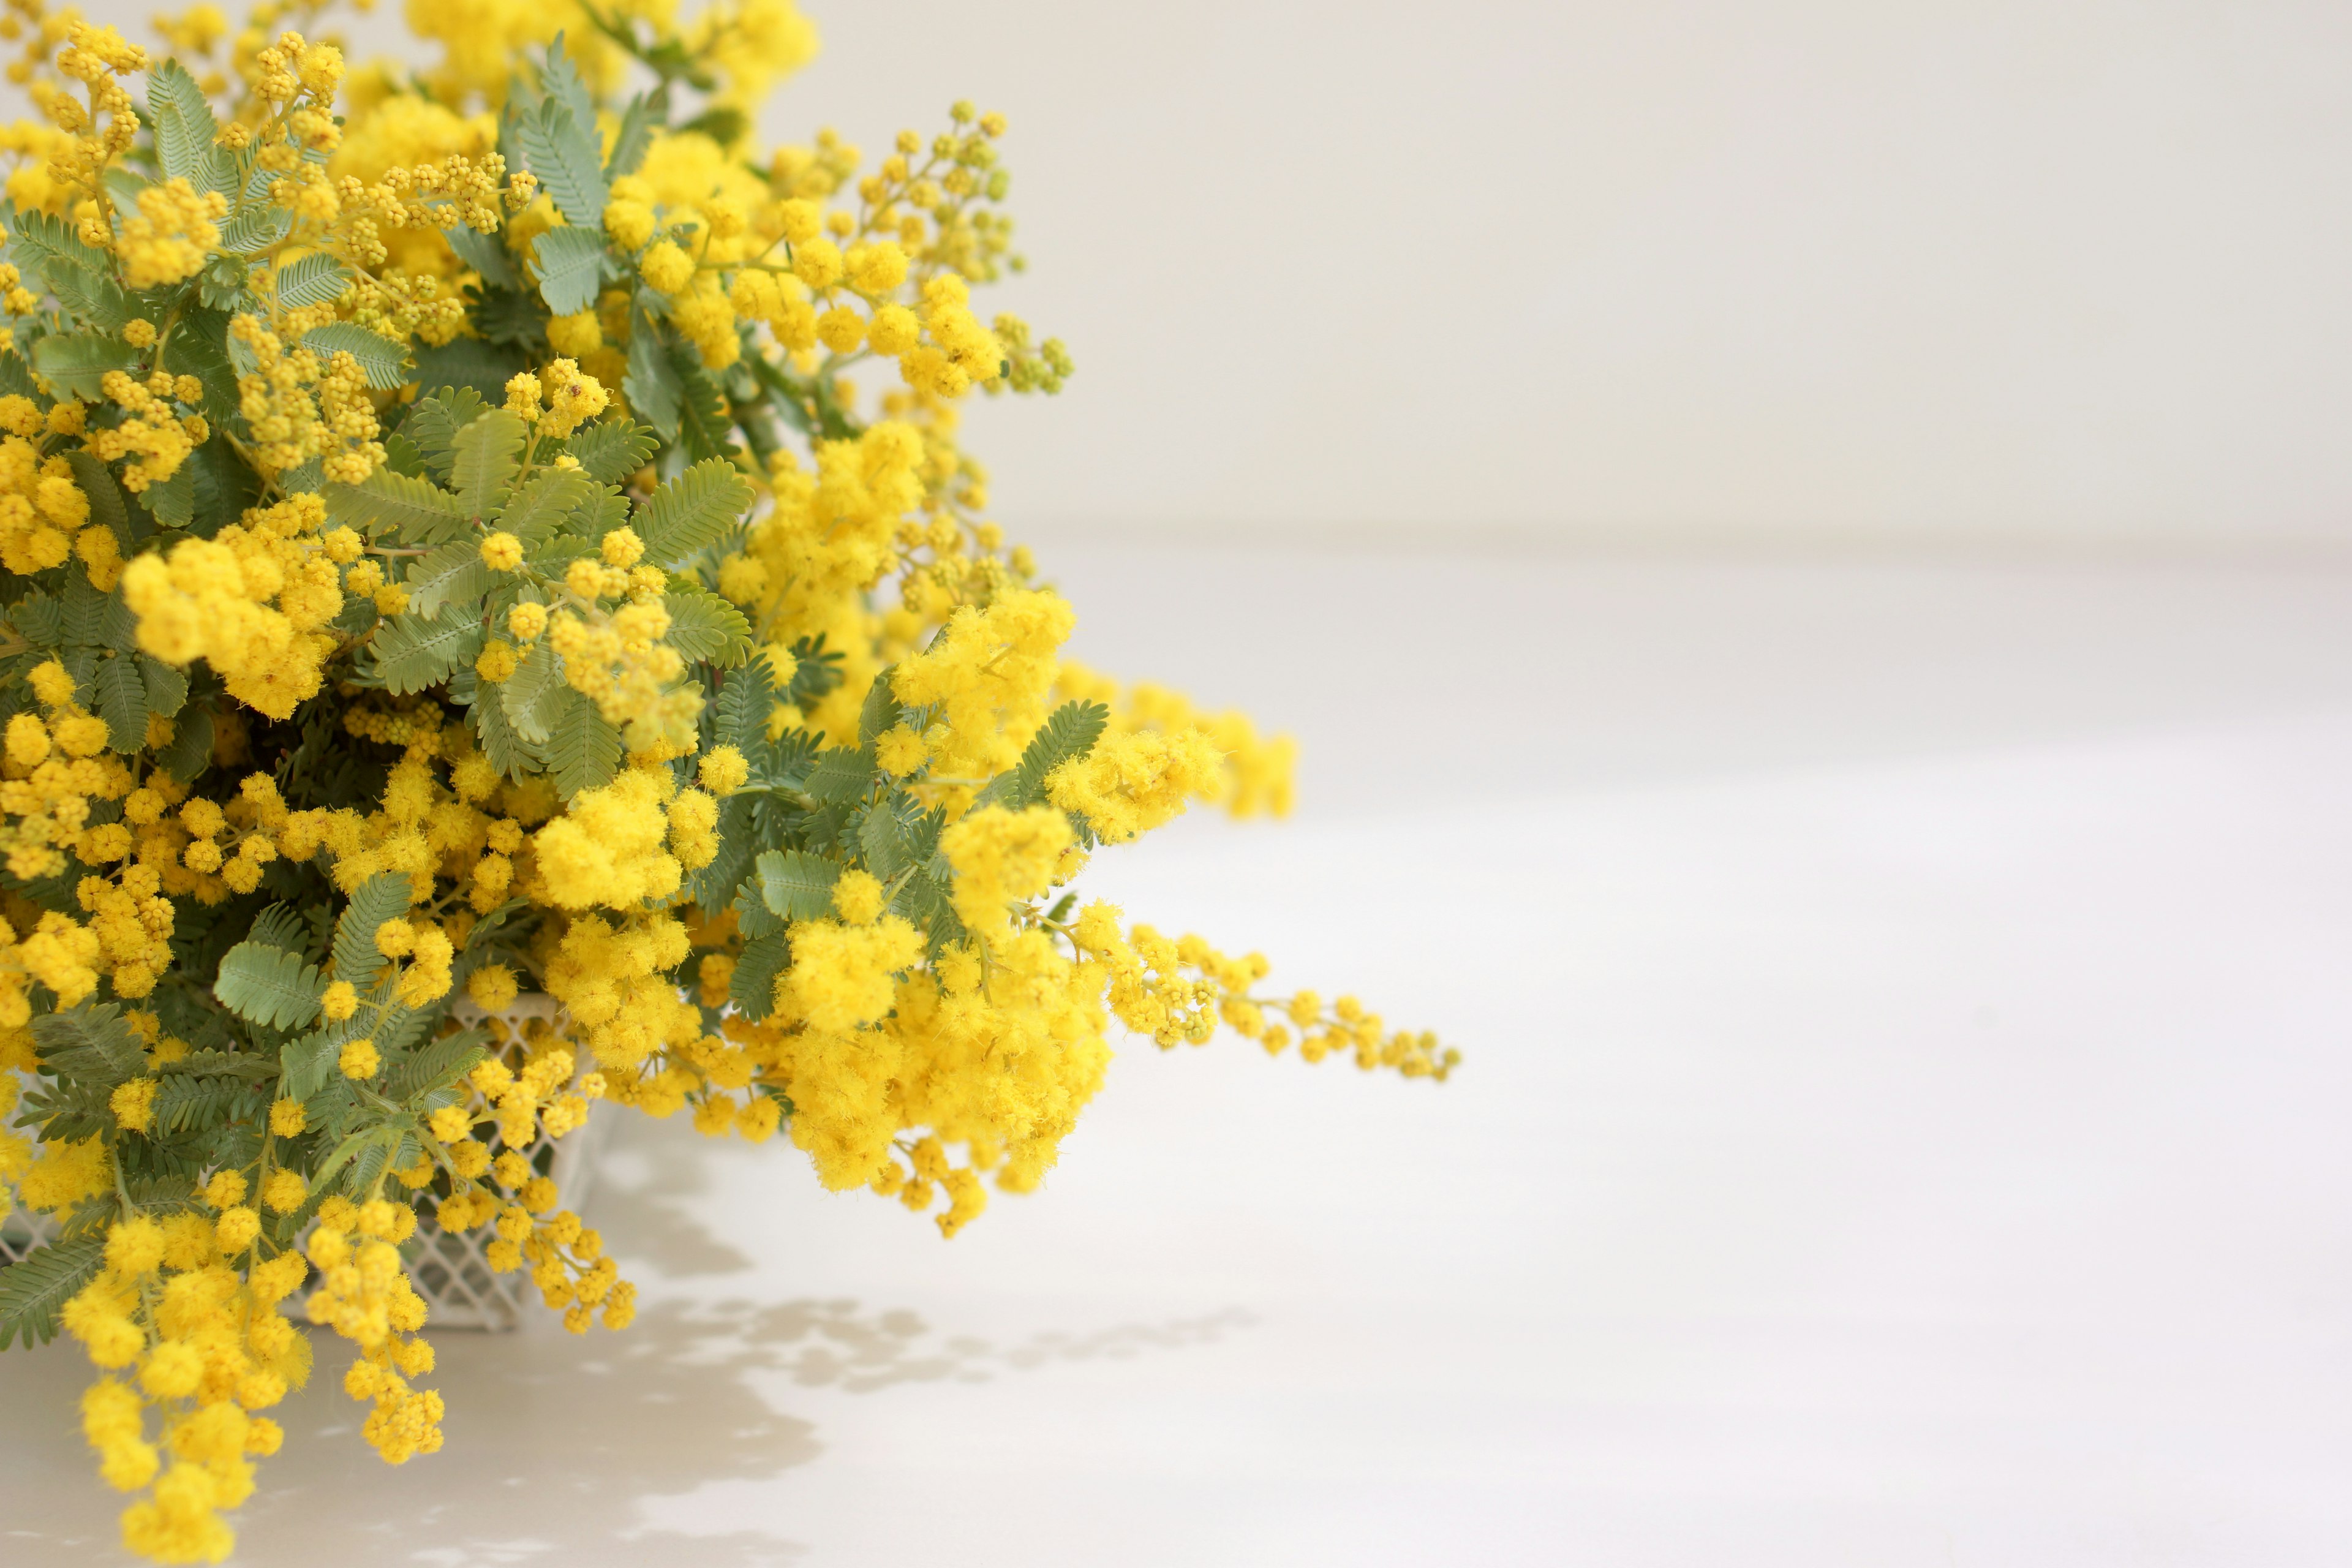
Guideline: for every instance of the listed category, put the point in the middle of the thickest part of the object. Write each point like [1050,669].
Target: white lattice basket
[450,1269]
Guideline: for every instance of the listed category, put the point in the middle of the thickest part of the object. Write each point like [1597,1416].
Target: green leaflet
[508,753]
[880,710]
[396,505]
[268,985]
[190,748]
[570,266]
[185,1102]
[705,627]
[185,129]
[704,427]
[454,573]
[90,297]
[280,925]
[841,776]
[564,153]
[199,347]
[122,704]
[39,237]
[174,502]
[583,748]
[90,1044]
[306,1063]
[76,362]
[382,361]
[796,885]
[612,449]
[410,653]
[560,80]
[545,500]
[745,703]
[40,619]
[33,1292]
[167,689]
[651,384]
[106,503]
[483,253]
[1068,734]
[470,364]
[382,897]
[753,987]
[532,696]
[484,455]
[692,512]
[632,142]
[436,1065]
[258,227]
[312,279]
[882,840]
[433,421]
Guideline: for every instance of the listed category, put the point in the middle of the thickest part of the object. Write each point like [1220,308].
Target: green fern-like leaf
[1070,733]
[532,696]
[707,628]
[571,263]
[77,361]
[382,897]
[190,750]
[692,512]
[433,421]
[122,704]
[89,1044]
[268,985]
[564,157]
[436,1065]
[92,298]
[33,1292]
[583,748]
[413,510]
[508,753]
[796,885]
[488,452]
[186,1103]
[384,363]
[411,652]
[306,1063]
[185,130]
[880,710]
[612,449]
[454,573]
[841,776]
[753,986]
[545,500]
[704,429]
[312,279]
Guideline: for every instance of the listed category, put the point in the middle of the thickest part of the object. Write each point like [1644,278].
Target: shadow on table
[555,1444]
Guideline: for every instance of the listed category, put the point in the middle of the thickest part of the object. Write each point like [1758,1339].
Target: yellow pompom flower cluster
[199,1346]
[471,650]
[250,602]
[365,1295]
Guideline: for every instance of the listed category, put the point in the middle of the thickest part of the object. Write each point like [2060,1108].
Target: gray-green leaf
[485,455]
[692,512]
[268,985]
[384,363]
[796,885]
[570,265]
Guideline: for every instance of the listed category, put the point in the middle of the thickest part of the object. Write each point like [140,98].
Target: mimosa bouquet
[448,557]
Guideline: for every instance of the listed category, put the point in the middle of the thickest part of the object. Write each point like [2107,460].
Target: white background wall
[1985,268]
[1988,267]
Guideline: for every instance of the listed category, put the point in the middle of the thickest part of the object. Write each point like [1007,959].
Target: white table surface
[1907,1011]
